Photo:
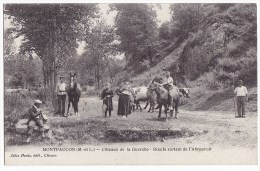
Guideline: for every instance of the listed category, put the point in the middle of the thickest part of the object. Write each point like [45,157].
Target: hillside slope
[222,50]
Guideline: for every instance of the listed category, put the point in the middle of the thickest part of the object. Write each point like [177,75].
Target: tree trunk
[54,69]
[98,77]
[127,57]
[150,55]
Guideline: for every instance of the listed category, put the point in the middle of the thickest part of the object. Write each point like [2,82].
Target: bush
[210,81]
[16,107]
[216,85]
[17,104]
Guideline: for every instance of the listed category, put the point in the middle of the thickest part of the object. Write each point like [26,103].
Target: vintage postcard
[130,83]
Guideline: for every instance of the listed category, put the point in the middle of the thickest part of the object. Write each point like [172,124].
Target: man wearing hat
[241,94]
[61,96]
[35,119]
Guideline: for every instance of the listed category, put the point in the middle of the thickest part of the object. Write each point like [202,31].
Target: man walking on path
[61,96]
[241,94]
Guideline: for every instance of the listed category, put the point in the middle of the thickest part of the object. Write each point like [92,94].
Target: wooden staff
[234,96]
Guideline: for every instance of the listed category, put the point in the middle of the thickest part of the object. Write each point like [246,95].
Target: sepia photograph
[130,83]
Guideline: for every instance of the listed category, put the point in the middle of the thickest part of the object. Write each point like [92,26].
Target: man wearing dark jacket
[35,119]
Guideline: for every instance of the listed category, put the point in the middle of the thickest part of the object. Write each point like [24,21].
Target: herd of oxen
[154,94]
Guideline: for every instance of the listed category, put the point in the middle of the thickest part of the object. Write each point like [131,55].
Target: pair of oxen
[156,93]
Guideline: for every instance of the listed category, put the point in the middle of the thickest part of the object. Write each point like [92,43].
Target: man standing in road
[61,96]
[241,95]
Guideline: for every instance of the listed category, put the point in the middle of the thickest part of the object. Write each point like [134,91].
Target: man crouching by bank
[35,119]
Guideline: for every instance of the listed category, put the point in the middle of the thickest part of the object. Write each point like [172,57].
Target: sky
[163,14]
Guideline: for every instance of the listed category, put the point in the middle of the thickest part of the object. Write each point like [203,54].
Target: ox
[144,94]
[162,97]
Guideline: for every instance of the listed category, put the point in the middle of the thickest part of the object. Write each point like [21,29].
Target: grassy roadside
[220,100]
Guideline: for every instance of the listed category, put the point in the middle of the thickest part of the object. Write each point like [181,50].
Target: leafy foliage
[97,59]
[9,37]
[22,70]
[137,28]
[224,44]
[186,18]
[51,32]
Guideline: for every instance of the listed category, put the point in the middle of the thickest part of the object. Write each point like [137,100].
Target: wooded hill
[207,44]
[208,48]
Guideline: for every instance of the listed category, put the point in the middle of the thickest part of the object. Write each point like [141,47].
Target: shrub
[228,64]
[15,107]
[216,85]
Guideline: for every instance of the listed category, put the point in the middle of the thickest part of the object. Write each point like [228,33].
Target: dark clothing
[241,105]
[107,96]
[34,113]
[35,119]
[61,104]
[33,123]
[124,107]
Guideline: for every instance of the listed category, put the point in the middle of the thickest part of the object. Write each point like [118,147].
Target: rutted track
[218,129]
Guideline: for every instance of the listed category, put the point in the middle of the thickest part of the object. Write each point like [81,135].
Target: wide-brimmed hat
[37,102]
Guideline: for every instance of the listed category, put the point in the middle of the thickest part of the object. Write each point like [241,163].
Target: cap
[167,72]
[62,76]
[38,102]
[240,81]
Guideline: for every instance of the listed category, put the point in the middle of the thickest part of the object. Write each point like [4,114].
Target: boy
[35,119]
[107,96]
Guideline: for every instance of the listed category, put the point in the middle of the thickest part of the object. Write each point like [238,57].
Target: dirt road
[227,140]
[214,128]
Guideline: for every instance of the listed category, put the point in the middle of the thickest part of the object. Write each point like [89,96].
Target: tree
[9,37]
[23,71]
[164,31]
[100,45]
[51,32]
[137,29]
[186,18]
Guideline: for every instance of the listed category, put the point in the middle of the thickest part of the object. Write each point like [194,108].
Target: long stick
[234,97]
[103,111]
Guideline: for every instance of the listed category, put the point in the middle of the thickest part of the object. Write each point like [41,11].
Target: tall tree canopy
[9,49]
[51,31]
[136,26]
[186,18]
[100,46]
